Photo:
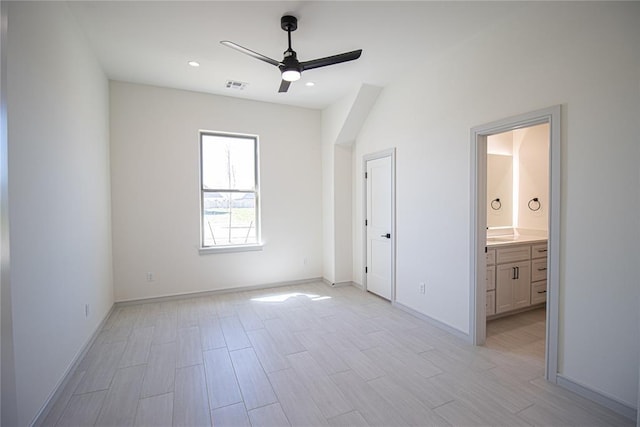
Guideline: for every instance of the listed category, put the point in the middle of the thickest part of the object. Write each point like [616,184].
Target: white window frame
[257,246]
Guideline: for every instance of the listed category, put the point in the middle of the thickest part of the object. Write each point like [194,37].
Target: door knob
[388,235]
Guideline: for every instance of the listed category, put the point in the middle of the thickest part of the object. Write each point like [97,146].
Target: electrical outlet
[423,287]
[149,276]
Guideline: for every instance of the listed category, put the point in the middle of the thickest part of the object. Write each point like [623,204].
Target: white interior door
[378,226]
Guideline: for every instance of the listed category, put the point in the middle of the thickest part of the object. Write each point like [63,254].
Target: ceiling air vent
[232,84]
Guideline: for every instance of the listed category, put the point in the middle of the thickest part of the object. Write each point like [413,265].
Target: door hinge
[485,249]
[366,175]
[366,222]
[366,269]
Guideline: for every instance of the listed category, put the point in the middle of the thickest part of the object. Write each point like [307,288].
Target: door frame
[477,300]
[391,152]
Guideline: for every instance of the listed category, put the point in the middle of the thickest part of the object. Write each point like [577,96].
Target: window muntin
[229,190]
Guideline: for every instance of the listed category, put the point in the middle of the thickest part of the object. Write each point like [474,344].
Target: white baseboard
[438,324]
[57,391]
[599,397]
[172,297]
[340,284]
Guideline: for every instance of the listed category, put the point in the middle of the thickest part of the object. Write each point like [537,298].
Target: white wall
[155,192]
[59,197]
[581,55]
[333,118]
[342,213]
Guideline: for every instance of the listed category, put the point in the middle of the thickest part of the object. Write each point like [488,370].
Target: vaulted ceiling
[151,42]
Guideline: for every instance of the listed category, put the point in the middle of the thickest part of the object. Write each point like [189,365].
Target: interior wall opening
[517,201]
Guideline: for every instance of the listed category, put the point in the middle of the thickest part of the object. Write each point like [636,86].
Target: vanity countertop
[513,240]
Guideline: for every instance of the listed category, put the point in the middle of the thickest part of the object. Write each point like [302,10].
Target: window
[229,192]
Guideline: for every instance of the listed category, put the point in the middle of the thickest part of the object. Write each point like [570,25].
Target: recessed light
[194,63]
[309,84]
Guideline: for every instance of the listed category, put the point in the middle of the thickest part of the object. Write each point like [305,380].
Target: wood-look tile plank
[148,315]
[461,413]
[350,419]
[138,346]
[366,400]
[160,371]
[119,407]
[321,388]
[545,391]
[267,351]
[300,319]
[402,355]
[223,306]
[63,399]
[455,361]
[166,328]
[190,402]
[83,409]
[222,386]
[155,411]
[424,389]
[211,335]
[231,416]
[234,334]
[269,416]
[187,313]
[295,400]
[346,336]
[253,381]
[412,410]
[205,308]
[357,360]
[326,357]
[283,337]
[248,317]
[189,347]
[99,375]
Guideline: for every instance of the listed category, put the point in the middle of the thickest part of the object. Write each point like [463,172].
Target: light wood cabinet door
[522,285]
[513,286]
[505,275]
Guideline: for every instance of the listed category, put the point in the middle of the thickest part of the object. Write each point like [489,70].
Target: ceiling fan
[290,67]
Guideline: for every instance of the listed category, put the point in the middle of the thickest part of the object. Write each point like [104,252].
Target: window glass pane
[229,218]
[228,163]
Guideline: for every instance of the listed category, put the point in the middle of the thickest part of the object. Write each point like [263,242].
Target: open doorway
[517,201]
[516,205]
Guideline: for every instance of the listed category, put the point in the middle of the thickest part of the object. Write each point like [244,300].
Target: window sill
[230,249]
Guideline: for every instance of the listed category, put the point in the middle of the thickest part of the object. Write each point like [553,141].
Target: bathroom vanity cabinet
[516,276]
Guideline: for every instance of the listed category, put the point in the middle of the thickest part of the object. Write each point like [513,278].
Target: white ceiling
[151,42]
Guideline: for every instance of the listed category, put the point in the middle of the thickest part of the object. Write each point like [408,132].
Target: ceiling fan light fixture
[291,75]
[290,68]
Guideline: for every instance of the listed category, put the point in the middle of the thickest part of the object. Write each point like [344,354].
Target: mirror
[499,190]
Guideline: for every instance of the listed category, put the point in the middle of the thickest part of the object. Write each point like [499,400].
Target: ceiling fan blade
[330,60]
[284,86]
[249,52]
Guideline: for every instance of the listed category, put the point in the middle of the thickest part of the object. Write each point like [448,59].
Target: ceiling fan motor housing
[289,23]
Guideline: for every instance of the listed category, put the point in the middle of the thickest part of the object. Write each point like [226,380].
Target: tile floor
[311,355]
